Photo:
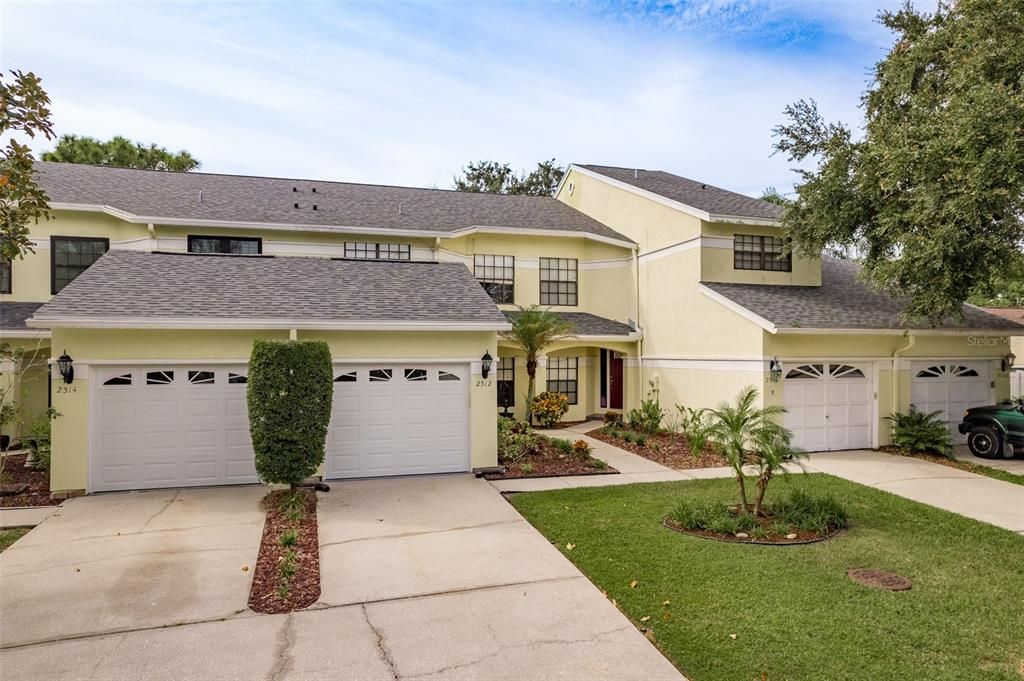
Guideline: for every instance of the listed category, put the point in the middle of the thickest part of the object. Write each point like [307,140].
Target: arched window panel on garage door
[947,371]
[200,377]
[119,379]
[844,371]
[165,377]
[346,377]
[807,371]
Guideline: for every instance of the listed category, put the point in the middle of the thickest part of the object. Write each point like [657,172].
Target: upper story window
[558,285]
[364,250]
[760,253]
[245,245]
[72,255]
[5,275]
[496,273]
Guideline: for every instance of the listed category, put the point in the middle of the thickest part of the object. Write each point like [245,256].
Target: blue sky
[407,93]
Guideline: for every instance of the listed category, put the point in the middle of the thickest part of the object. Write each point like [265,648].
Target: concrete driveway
[423,578]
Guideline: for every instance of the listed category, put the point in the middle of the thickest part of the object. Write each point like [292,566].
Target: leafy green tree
[119,152]
[289,394]
[773,195]
[24,110]
[533,329]
[1006,289]
[741,429]
[499,178]
[932,194]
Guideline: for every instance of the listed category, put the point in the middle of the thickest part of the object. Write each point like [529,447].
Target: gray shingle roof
[269,200]
[842,302]
[713,200]
[13,315]
[587,324]
[137,286]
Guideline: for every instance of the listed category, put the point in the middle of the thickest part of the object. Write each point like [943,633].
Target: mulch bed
[37,492]
[802,536]
[304,587]
[547,462]
[668,449]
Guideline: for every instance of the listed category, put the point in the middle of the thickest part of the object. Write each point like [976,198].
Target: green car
[995,431]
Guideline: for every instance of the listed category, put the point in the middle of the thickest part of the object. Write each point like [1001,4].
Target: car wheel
[985,442]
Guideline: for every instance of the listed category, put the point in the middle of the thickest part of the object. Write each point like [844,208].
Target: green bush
[581,449]
[811,513]
[917,431]
[561,445]
[515,440]
[549,408]
[695,427]
[713,516]
[648,418]
[39,440]
[289,392]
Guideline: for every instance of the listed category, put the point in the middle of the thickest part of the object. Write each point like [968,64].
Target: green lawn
[8,537]
[792,609]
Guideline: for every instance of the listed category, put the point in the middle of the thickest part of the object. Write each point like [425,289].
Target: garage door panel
[829,405]
[162,473]
[203,472]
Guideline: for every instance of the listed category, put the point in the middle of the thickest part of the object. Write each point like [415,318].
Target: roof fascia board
[492,229]
[657,198]
[23,333]
[740,220]
[224,323]
[738,309]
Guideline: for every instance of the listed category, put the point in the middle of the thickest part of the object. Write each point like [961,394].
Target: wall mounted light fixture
[485,364]
[67,370]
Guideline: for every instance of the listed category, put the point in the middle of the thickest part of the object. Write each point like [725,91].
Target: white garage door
[170,426]
[828,406]
[399,420]
[950,387]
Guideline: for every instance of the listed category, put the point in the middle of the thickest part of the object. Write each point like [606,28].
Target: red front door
[615,381]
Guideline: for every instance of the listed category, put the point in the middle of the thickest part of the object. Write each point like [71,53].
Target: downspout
[911,339]
[639,327]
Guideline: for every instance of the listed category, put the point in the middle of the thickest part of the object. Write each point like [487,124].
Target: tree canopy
[120,152]
[773,195]
[24,110]
[499,178]
[932,194]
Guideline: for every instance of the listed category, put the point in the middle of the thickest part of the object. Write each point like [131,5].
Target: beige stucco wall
[93,346]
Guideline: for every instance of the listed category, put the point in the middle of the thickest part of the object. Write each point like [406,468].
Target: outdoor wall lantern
[67,371]
[485,364]
[1009,361]
[775,370]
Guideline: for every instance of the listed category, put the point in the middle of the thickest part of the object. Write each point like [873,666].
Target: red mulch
[668,449]
[548,461]
[304,588]
[38,481]
[764,520]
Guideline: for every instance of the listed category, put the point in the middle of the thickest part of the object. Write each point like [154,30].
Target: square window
[496,273]
[72,255]
[563,376]
[558,281]
[765,253]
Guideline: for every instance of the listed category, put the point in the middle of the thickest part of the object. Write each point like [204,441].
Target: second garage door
[402,419]
[828,406]
[950,388]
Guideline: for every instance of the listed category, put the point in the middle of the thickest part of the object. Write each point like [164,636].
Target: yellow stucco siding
[651,224]
[717,262]
[696,388]
[839,345]
[95,346]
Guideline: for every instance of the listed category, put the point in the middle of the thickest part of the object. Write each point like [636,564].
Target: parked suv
[995,431]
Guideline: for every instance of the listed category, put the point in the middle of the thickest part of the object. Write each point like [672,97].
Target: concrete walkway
[25,516]
[992,501]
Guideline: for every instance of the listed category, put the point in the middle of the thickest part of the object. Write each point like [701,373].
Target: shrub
[917,431]
[597,463]
[39,441]
[289,393]
[648,418]
[811,513]
[289,538]
[526,467]
[561,445]
[639,439]
[713,516]
[581,449]
[549,408]
[515,440]
[613,417]
[695,427]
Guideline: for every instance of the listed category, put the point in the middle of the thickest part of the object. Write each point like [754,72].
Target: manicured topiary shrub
[289,391]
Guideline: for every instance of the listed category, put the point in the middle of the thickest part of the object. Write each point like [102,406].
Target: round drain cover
[879,579]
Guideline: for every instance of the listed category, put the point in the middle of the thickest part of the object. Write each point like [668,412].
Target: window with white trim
[563,376]
[496,273]
[365,250]
[229,245]
[558,281]
[753,252]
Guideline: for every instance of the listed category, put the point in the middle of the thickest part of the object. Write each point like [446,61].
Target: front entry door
[615,383]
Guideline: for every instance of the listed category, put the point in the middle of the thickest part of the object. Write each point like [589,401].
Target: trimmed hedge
[290,390]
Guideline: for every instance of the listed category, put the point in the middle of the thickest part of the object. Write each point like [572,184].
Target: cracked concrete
[423,578]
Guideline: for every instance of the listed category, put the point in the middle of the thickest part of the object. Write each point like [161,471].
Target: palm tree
[533,329]
[736,429]
[772,450]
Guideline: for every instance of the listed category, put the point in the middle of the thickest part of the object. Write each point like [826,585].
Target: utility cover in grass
[879,579]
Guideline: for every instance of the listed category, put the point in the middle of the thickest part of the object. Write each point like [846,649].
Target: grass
[794,613]
[8,537]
